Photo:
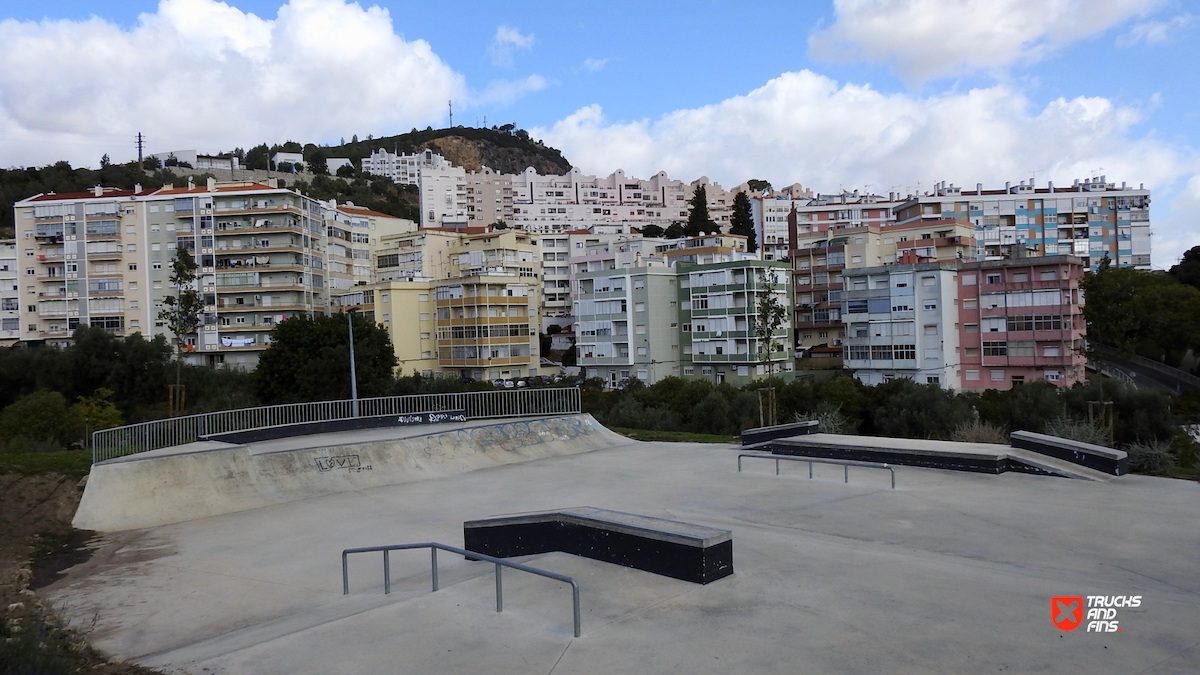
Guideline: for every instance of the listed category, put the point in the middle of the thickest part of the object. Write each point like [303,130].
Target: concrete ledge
[763,434]
[975,457]
[685,551]
[1098,457]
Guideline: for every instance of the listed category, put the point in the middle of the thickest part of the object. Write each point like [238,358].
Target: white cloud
[926,39]
[803,127]
[1155,32]
[595,65]
[503,92]
[203,74]
[507,41]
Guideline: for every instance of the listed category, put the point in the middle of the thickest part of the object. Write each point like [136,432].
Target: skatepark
[224,557]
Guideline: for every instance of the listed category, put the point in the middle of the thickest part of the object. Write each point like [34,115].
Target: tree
[499,225]
[770,314]
[318,163]
[105,162]
[675,231]
[699,221]
[1188,269]
[758,185]
[182,312]
[653,231]
[346,171]
[741,222]
[38,419]
[309,360]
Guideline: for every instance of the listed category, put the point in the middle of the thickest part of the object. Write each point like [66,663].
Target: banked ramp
[211,478]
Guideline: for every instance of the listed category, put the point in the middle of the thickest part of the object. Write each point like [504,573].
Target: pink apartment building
[1021,320]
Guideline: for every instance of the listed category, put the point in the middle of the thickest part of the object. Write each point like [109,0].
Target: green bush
[978,431]
[1151,456]
[39,421]
[1077,429]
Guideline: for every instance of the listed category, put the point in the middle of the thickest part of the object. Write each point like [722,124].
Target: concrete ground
[949,573]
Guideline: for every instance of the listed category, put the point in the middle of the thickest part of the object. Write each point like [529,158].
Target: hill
[505,149]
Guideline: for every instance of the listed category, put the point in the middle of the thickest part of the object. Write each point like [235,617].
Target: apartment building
[83,259]
[627,323]
[1021,320]
[705,250]
[489,197]
[443,193]
[719,310]
[901,321]
[1090,219]
[404,169]
[651,320]
[103,258]
[354,235]
[966,325]
[10,296]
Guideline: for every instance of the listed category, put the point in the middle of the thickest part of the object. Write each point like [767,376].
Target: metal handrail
[433,549]
[844,463]
[164,433]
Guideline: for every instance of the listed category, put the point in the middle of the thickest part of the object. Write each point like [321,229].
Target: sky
[880,95]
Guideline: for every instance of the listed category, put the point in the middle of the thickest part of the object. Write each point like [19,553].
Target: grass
[674,436]
[69,462]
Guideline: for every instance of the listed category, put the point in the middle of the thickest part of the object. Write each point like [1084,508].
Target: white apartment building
[199,161]
[103,258]
[354,235]
[902,321]
[444,197]
[403,169]
[10,296]
[489,197]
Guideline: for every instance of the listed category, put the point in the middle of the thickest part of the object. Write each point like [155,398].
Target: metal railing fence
[844,463]
[164,433]
[434,547]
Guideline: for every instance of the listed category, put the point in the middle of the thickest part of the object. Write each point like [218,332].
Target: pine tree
[741,222]
[698,220]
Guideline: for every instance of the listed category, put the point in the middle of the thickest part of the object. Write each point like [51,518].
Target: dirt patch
[37,543]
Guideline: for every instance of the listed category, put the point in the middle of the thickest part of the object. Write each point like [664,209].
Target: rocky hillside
[505,149]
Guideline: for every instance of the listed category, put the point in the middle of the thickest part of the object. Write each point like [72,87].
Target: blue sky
[894,94]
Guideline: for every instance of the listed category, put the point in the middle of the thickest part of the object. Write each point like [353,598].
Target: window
[156,266]
[928,281]
[639,329]
[689,370]
[1048,275]
[970,303]
[881,352]
[1050,350]
[931,330]
[1019,277]
[1018,380]
[424,316]
[905,352]
[997,375]
[994,278]
[132,248]
[856,307]
[641,351]
[132,267]
[639,307]
[995,349]
[1020,348]
[972,375]
[858,353]
[930,306]
[933,379]
[968,280]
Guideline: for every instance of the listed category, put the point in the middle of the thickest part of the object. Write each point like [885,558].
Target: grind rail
[434,547]
[844,463]
[164,433]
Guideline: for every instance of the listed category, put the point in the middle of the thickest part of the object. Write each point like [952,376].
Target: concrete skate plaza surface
[949,573]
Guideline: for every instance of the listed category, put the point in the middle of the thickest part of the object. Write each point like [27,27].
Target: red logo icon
[1066,611]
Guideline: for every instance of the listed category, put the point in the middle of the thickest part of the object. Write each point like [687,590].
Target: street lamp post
[353,378]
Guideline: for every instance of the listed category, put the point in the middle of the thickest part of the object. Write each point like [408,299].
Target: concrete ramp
[206,479]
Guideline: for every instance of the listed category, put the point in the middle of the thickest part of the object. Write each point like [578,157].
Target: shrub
[1077,429]
[1153,456]
[978,431]
[830,419]
[41,421]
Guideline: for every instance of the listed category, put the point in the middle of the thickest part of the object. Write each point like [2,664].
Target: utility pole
[141,142]
[451,104]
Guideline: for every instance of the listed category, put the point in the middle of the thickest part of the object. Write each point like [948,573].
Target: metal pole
[846,472]
[353,377]
[575,598]
[345,576]
[499,590]
[433,556]
[810,470]
[387,574]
